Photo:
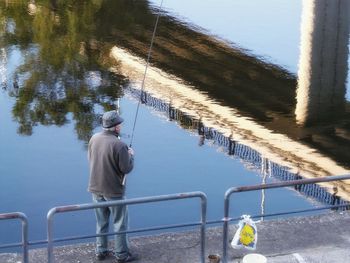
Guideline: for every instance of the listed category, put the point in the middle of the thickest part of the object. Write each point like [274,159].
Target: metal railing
[202,223]
[24,244]
[233,190]
[79,207]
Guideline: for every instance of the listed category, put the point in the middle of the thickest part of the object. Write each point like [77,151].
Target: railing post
[203,224]
[24,222]
[226,220]
[50,214]
[25,237]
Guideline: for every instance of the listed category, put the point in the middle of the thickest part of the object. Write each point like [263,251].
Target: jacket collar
[111,133]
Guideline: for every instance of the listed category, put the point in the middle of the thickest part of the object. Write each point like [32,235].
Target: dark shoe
[129,258]
[103,255]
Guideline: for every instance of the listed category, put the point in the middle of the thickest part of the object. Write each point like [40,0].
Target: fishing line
[145,73]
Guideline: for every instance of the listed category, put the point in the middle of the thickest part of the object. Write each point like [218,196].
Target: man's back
[109,162]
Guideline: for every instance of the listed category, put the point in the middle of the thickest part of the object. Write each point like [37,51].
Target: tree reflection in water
[65,68]
[73,37]
[70,43]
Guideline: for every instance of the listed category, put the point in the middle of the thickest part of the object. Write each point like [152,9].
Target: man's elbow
[129,169]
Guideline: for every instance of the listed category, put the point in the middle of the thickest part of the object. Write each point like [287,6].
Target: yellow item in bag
[246,235]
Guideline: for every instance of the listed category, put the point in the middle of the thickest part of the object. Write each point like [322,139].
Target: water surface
[216,113]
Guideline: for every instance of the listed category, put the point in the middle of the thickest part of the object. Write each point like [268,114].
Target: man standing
[110,160]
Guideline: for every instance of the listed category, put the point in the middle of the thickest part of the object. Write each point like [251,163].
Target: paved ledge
[322,238]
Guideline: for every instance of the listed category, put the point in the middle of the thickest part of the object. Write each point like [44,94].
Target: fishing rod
[145,73]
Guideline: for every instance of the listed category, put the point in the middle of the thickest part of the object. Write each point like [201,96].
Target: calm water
[219,109]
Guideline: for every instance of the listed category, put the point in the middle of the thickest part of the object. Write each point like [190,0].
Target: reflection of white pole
[117,105]
[3,62]
[32,8]
[323,59]
[264,173]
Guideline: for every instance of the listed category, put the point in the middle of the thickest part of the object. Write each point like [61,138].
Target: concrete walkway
[323,238]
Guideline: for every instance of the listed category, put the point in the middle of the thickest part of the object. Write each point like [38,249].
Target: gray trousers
[119,218]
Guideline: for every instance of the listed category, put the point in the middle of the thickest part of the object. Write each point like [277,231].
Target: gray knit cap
[110,119]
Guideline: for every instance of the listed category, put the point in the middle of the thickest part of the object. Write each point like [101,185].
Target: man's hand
[131,151]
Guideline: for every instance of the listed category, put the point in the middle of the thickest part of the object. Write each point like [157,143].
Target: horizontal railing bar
[285,184]
[38,242]
[42,242]
[13,215]
[11,245]
[278,214]
[123,232]
[140,200]
[211,222]
[301,211]
[30,243]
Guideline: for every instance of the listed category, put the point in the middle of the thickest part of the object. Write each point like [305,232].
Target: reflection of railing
[252,158]
[3,77]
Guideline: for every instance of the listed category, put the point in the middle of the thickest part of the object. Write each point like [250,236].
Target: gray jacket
[109,161]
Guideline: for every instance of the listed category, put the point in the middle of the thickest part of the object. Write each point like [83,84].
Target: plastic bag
[246,235]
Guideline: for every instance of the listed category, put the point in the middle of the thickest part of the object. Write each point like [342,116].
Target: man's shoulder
[108,136]
[96,135]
